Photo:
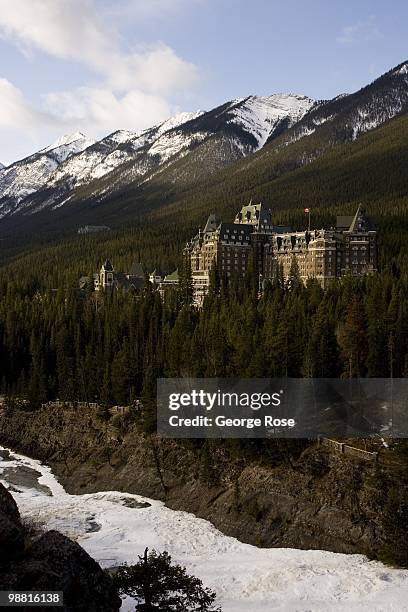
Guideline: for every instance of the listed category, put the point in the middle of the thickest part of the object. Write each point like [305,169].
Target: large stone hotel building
[325,254]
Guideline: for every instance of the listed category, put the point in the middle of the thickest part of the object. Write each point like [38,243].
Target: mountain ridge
[240,145]
[250,121]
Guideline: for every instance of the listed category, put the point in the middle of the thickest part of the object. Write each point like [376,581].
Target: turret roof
[108,266]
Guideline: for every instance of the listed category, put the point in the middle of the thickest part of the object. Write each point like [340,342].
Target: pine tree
[186,281]
[121,377]
[321,355]
[157,584]
[149,399]
[353,339]
[65,366]
[294,281]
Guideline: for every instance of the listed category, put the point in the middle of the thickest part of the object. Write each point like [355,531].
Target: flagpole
[307,211]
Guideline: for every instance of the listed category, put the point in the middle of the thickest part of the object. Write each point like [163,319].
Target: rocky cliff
[50,562]
[313,498]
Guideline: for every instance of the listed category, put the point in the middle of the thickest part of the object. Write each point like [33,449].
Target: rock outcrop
[11,530]
[50,562]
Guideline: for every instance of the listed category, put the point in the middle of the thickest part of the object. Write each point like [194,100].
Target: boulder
[51,562]
[11,530]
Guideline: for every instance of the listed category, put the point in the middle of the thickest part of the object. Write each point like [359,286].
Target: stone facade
[108,278]
[348,248]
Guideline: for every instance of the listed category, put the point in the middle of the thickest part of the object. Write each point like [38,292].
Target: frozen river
[116,527]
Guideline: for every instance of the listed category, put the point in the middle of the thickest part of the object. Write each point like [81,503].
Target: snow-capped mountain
[50,177]
[354,114]
[188,147]
[263,117]
[254,117]
[25,177]
[119,148]
[2,166]
[68,145]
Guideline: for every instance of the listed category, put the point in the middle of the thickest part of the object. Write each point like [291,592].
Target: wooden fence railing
[346,449]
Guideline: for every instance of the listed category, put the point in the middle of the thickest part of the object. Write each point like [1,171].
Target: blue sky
[101,65]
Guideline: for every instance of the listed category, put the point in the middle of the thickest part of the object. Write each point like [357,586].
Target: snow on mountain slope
[402,69]
[68,145]
[28,175]
[2,166]
[261,116]
[190,146]
[179,119]
[117,149]
[172,143]
[140,154]
[357,113]
[50,177]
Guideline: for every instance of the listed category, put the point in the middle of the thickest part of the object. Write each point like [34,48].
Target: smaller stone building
[108,278]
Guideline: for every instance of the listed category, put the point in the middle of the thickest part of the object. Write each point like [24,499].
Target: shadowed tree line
[81,345]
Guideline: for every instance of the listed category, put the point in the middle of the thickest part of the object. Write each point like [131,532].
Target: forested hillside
[112,347]
[371,170]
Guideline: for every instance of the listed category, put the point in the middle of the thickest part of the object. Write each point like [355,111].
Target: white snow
[122,136]
[302,132]
[125,156]
[95,163]
[403,69]
[177,120]
[72,161]
[260,115]
[78,139]
[28,176]
[321,120]
[68,145]
[21,179]
[171,143]
[246,578]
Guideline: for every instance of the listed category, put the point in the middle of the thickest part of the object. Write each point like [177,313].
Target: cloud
[17,113]
[364,31]
[94,110]
[23,127]
[98,109]
[131,86]
[73,30]
[151,10]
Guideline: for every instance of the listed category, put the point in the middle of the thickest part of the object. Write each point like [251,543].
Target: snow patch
[259,116]
[122,136]
[67,139]
[402,70]
[171,143]
[178,120]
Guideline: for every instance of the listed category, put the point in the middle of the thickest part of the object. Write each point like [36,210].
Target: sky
[100,65]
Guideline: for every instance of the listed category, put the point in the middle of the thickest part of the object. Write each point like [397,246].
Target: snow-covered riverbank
[246,578]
